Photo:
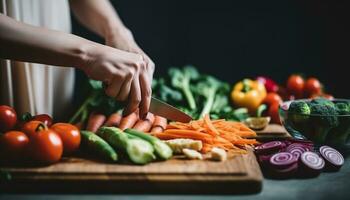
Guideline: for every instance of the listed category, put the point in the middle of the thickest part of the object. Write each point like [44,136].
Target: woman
[37,31]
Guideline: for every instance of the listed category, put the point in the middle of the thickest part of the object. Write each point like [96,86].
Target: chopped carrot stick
[227,135]
[211,127]
[129,121]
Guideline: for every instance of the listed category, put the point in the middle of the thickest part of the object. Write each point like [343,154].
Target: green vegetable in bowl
[342,108]
[340,134]
[324,119]
[322,101]
[299,111]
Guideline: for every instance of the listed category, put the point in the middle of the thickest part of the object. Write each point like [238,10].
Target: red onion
[312,161]
[333,158]
[269,147]
[297,149]
[282,160]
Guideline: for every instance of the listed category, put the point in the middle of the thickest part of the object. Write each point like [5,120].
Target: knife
[165,110]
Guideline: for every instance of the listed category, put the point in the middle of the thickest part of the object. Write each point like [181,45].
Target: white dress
[32,87]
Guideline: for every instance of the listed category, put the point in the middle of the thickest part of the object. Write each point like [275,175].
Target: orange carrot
[113,120]
[160,122]
[211,127]
[145,125]
[129,121]
[213,133]
[157,129]
[95,121]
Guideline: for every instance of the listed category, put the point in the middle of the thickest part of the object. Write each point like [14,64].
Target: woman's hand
[123,39]
[125,74]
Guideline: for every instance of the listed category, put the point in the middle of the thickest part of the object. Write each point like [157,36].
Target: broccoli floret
[322,101]
[299,111]
[342,108]
[299,107]
[208,88]
[181,79]
[340,134]
[324,118]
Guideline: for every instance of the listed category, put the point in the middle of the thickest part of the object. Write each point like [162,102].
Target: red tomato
[45,146]
[273,113]
[46,119]
[272,98]
[13,144]
[8,118]
[312,87]
[70,136]
[30,127]
[295,85]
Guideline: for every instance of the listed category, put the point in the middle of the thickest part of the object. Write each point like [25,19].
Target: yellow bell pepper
[248,94]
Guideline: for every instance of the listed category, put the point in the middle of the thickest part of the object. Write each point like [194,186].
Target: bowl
[315,127]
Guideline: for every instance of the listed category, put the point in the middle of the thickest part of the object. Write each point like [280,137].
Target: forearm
[19,41]
[98,15]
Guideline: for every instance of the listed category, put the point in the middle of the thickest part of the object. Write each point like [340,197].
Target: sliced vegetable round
[282,160]
[312,160]
[285,172]
[270,147]
[332,156]
[297,149]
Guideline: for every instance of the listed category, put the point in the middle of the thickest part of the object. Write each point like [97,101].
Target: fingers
[150,68]
[114,87]
[134,97]
[126,87]
[146,93]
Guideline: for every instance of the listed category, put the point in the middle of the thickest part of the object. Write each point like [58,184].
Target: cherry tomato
[70,136]
[273,113]
[13,145]
[272,98]
[295,85]
[46,119]
[312,87]
[8,118]
[30,127]
[45,146]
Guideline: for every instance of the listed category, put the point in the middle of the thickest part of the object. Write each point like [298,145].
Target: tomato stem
[41,126]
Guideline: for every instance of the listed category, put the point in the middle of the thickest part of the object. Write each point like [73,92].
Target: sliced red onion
[297,149]
[312,161]
[290,170]
[333,157]
[287,172]
[264,160]
[282,160]
[270,147]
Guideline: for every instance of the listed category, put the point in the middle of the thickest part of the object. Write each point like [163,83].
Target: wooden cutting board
[272,132]
[239,174]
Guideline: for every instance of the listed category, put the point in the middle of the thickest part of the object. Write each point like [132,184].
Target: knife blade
[165,110]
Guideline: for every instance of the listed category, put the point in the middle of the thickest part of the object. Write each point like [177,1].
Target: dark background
[237,39]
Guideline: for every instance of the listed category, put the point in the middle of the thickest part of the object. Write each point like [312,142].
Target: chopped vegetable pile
[213,133]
